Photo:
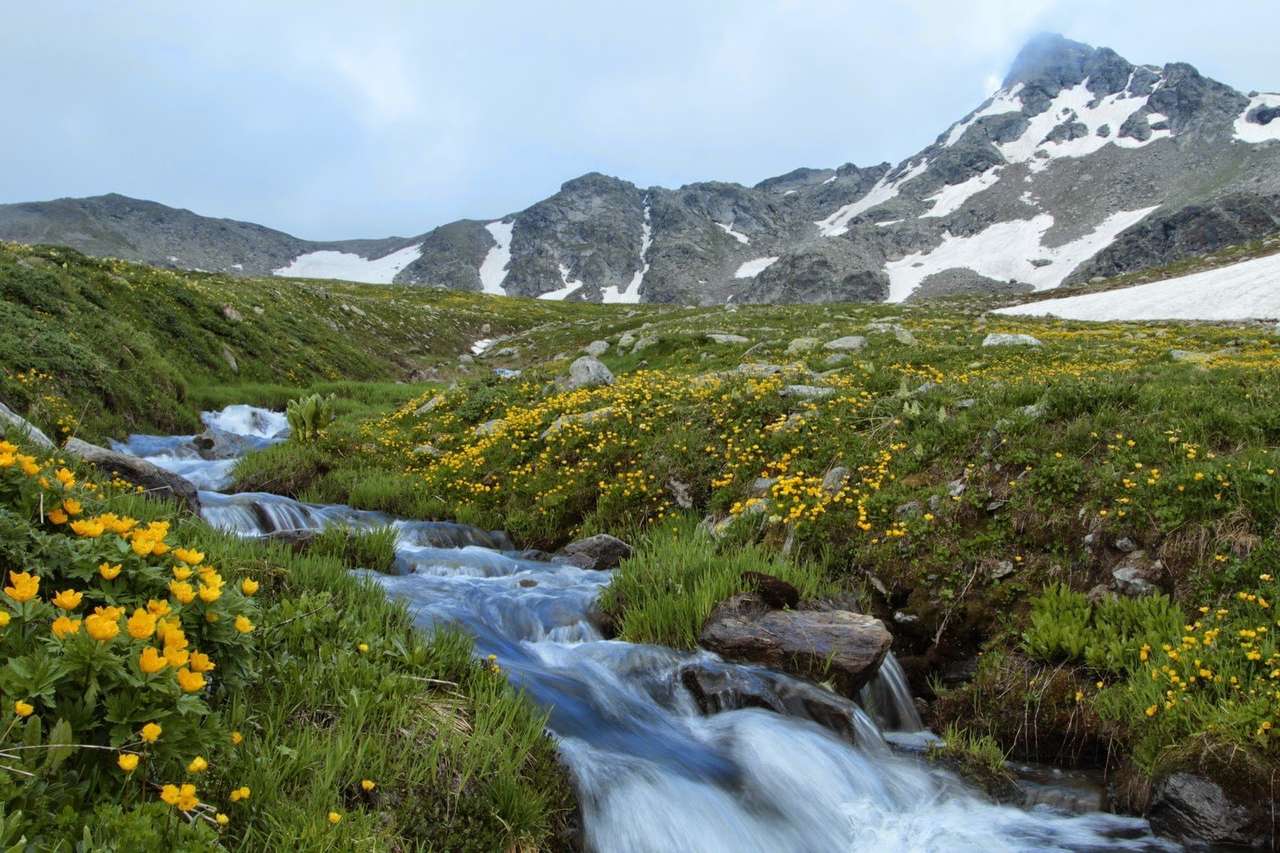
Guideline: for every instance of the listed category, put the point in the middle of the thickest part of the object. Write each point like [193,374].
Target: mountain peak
[1049,55]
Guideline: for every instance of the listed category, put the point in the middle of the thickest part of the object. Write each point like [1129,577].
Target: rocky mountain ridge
[1082,164]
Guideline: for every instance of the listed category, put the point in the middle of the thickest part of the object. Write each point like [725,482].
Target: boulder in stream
[1192,808]
[155,480]
[216,443]
[840,645]
[601,551]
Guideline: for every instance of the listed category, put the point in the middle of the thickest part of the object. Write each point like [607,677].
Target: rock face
[1194,809]
[1081,164]
[601,551]
[839,645]
[1000,339]
[156,481]
[9,419]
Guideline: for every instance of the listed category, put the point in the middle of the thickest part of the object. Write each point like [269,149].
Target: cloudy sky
[363,119]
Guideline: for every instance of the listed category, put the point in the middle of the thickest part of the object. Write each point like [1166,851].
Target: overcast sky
[365,119]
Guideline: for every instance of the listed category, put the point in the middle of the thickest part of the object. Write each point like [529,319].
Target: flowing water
[652,772]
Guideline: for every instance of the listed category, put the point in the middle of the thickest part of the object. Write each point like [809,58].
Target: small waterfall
[745,759]
[887,698]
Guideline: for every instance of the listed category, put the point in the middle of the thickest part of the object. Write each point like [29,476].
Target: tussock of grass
[373,549]
[665,591]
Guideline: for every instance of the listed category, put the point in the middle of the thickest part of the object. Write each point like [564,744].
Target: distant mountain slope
[1081,165]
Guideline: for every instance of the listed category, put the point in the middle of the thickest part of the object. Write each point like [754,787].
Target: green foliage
[1107,636]
[309,417]
[665,591]
[372,548]
[976,756]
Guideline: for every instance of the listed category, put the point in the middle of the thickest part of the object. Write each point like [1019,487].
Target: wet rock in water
[839,645]
[717,687]
[1001,339]
[773,591]
[298,538]
[1138,574]
[595,349]
[1194,809]
[154,480]
[215,443]
[587,372]
[846,344]
[601,551]
[10,418]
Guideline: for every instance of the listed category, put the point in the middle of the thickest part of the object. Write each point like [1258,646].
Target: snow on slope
[950,197]
[737,235]
[1003,101]
[632,294]
[350,267]
[753,267]
[493,269]
[563,292]
[1243,291]
[1005,250]
[1247,131]
[838,222]
[1076,105]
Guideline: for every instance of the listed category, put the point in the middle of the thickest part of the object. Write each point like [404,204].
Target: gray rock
[1195,809]
[1002,339]
[802,345]
[596,349]
[834,479]
[155,481]
[216,443]
[839,645]
[758,370]
[600,552]
[626,339]
[429,406]
[719,338]
[578,418]
[762,485]
[232,314]
[1000,569]
[909,510]
[967,403]
[835,359]
[846,344]
[1124,543]
[230,358]
[956,488]
[588,372]
[1137,574]
[1187,355]
[9,419]
[428,450]
[644,343]
[487,428]
[467,359]
[680,493]
[806,392]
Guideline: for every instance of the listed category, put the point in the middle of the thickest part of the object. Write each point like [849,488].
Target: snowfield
[1247,131]
[348,266]
[493,269]
[631,295]
[1249,290]
[838,222]
[563,292]
[1004,251]
[949,199]
[754,267]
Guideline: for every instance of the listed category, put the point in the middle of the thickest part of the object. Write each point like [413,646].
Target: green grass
[977,757]
[373,549]
[664,591]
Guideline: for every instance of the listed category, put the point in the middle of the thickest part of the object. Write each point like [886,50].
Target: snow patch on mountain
[493,269]
[754,267]
[737,235]
[1243,291]
[1005,251]
[1078,105]
[1003,101]
[1251,131]
[632,294]
[883,190]
[563,292]
[952,196]
[349,266]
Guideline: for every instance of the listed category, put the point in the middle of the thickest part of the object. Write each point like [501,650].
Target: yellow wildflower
[190,682]
[102,625]
[23,709]
[68,599]
[243,625]
[249,586]
[368,784]
[201,662]
[141,624]
[182,591]
[335,818]
[88,529]
[198,765]
[241,793]
[151,732]
[128,761]
[189,556]
[57,516]
[151,661]
[25,586]
[63,626]
[108,571]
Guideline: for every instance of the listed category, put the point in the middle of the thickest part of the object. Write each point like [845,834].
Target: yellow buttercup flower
[176,656]
[248,586]
[209,594]
[368,784]
[88,529]
[182,591]
[182,572]
[151,732]
[222,819]
[236,738]
[151,661]
[68,599]
[158,607]
[23,709]
[142,546]
[190,682]
[335,818]
[141,624]
[239,794]
[128,761]
[64,626]
[198,765]
[4,618]
[201,662]
[102,626]
[108,571]
[25,586]
[65,477]
[243,625]
[363,648]
[189,556]
[56,516]
[72,506]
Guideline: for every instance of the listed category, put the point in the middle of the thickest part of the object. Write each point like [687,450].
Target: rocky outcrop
[587,372]
[821,644]
[9,419]
[1196,810]
[155,481]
